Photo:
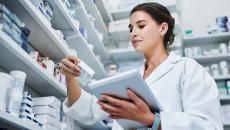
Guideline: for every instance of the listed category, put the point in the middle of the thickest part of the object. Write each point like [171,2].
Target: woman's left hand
[136,110]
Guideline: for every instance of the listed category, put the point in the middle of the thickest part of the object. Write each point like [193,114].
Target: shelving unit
[207,38]
[93,10]
[42,35]
[126,54]
[225,77]
[104,11]
[13,57]
[100,49]
[6,118]
[209,59]
[122,14]
[80,44]
[62,19]
[225,98]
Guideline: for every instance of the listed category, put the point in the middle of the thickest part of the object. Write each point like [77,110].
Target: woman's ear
[164,28]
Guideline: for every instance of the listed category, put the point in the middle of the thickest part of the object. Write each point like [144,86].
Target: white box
[47,119]
[41,110]
[49,127]
[86,73]
[47,101]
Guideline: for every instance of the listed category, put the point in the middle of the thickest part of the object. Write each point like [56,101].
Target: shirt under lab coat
[187,93]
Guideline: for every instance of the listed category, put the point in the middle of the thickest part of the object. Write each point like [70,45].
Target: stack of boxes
[47,110]
[44,7]
[26,111]
[11,24]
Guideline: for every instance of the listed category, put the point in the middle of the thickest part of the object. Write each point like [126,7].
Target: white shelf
[224,77]
[13,57]
[120,14]
[225,98]
[126,54]
[42,34]
[124,14]
[93,10]
[208,38]
[208,59]
[227,124]
[92,35]
[80,44]
[7,119]
[104,11]
[62,19]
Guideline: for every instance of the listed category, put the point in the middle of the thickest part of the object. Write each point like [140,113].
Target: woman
[187,93]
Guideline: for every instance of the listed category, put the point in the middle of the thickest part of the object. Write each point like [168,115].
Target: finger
[68,74]
[108,107]
[74,59]
[68,70]
[134,97]
[70,64]
[110,112]
[115,117]
[113,101]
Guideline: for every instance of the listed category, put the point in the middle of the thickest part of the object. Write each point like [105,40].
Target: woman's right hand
[68,66]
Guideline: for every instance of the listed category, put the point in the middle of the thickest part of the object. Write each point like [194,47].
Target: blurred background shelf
[13,57]
[9,121]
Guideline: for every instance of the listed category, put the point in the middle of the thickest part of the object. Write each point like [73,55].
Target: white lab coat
[187,93]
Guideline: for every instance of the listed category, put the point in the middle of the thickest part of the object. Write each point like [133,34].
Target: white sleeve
[201,105]
[85,109]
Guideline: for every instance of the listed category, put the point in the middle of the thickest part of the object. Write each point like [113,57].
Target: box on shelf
[49,127]
[86,73]
[47,101]
[47,119]
[42,110]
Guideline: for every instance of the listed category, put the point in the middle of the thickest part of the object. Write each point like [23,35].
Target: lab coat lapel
[163,68]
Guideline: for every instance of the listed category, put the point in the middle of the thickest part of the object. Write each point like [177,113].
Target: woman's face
[145,32]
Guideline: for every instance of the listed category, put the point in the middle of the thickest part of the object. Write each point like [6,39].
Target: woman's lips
[136,42]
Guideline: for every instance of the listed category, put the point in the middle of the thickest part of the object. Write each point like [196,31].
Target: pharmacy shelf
[104,11]
[120,14]
[224,77]
[100,49]
[61,18]
[208,38]
[92,9]
[126,54]
[121,35]
[226,124]
[124,14]
[13,57]
[225,98]
[210,59]
[7,119]
[80,44]
[43,36]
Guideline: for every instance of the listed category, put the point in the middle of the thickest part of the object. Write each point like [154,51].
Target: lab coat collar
[163,68]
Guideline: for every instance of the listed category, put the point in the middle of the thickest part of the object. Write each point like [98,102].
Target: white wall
[197,14]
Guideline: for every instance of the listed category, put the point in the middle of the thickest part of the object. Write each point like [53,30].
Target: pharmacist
[187,93]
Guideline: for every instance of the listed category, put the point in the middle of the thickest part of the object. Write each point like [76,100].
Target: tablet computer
[117,86]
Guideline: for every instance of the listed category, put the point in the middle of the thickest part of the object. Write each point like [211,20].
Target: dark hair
[161,14]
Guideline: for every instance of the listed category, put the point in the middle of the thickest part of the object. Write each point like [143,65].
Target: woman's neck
[155,57]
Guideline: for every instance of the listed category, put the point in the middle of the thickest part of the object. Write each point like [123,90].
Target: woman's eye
[141,26]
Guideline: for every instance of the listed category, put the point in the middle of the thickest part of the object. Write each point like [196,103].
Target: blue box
[5,27]
[5,10]
[6,18]
[17,21]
